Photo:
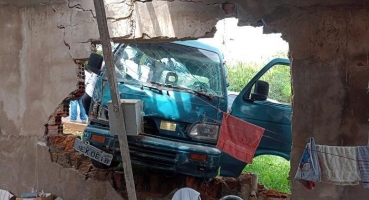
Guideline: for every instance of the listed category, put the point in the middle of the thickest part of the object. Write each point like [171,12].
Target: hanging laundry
[308,171]
[5,195]
[186,194]
[239,138]
[338,164]
[363,162]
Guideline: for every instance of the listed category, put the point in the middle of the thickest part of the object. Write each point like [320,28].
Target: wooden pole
[118,109]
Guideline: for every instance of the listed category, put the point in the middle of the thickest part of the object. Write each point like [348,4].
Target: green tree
[240,74]
[278,77]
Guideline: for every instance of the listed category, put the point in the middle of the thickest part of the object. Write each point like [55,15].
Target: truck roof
[200,45]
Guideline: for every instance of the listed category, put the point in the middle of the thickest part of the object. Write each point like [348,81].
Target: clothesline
[316,166]
[330,168]
[281,135]
[265,136]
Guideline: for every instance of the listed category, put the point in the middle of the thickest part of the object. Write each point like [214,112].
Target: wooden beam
[118,109]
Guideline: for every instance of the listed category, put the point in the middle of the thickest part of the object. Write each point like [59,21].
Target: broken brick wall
[40,41]
[37,72]
[40,44]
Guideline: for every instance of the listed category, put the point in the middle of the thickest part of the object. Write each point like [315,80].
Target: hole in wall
[61,139]
[62,113]
[59,121]
[61,133]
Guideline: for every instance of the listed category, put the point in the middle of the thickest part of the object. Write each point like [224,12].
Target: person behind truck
[74,104]
[90,83]
[92,79]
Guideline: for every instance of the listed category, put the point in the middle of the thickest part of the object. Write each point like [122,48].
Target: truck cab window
[279,79]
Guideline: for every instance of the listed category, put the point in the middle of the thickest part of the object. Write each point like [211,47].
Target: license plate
[93,152]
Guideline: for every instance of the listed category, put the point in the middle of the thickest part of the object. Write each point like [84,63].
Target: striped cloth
[363,162]
[338,164]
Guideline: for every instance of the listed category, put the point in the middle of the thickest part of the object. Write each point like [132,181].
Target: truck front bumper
[174,156]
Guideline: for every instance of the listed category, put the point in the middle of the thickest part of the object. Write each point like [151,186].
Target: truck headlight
[204,132]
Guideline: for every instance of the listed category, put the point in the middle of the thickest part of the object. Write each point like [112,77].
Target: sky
[245,44]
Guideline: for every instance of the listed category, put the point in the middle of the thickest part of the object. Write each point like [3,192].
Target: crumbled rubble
[154,184]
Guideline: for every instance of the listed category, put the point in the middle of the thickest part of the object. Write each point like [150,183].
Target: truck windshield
[169,65]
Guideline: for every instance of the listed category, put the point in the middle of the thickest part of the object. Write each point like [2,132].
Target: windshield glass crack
[171,66]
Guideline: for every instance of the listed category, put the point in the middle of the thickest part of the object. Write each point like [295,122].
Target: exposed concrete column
[330,102]
[10,68]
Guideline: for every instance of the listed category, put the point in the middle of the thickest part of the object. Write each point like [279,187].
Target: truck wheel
[100,165]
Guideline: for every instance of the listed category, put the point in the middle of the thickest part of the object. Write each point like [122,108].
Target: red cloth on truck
[239,138]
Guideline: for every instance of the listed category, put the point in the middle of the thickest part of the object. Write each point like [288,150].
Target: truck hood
[172,105]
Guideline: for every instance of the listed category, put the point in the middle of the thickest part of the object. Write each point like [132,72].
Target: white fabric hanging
[186,194]
[338,164]
[5,195]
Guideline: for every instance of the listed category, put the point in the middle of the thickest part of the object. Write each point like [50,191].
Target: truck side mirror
[94,63]
[261,91]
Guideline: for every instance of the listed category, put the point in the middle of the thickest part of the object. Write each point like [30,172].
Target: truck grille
[150,126]
[154,157]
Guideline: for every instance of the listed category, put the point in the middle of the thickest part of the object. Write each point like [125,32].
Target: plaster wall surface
[39,45]
[46,39]
[37,72]
[29,166]
[329,88]
[41,39]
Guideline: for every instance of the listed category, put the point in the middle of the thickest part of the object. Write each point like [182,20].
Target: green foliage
[272,172]
[240,74]
[278,77]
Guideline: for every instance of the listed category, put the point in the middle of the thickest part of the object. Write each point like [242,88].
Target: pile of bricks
[156,184]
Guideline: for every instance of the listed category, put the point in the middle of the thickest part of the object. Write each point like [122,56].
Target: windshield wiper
[152,88]
[209,96]
[157,83]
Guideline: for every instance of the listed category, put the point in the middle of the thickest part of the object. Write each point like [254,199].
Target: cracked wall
[43,39]
[37,72]
[330,87]
[42,43]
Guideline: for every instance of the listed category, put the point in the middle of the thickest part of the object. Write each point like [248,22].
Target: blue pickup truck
[183,90]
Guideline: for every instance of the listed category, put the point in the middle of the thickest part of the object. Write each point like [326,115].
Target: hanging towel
[363,162]
[308,171]
[239,138]
[338,164]
[186,194]
[5,195]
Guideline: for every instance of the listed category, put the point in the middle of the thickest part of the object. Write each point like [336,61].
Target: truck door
[265,102]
